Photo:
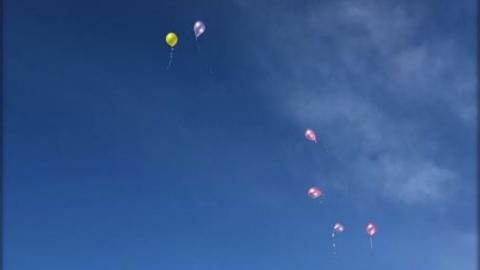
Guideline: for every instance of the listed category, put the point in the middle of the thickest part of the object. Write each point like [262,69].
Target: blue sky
[112,162]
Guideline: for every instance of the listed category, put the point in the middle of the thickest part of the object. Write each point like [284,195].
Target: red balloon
[338,227]
[310,135]
[371,229]
[314,192]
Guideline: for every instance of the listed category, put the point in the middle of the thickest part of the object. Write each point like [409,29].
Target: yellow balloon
[171,39]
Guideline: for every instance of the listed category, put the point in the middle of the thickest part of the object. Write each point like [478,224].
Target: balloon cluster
[199,29]
[172,38]
[316,192]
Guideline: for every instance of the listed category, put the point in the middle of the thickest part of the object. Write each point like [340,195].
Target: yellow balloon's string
[171,59]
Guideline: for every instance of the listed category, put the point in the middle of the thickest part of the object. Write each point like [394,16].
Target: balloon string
[371,243]
[207,62]
[171,59]
[333,244]
[196,44]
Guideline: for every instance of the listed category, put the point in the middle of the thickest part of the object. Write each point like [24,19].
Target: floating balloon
[371,230]
[314,192]
[199,28]
[172,40]
[337,228]
[311,135]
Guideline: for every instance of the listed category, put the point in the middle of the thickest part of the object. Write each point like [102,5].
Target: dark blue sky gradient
[113,162]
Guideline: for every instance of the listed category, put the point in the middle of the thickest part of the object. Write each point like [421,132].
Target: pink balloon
[310,135]
[371,229]
[314,192]
[199,28]
[338,227]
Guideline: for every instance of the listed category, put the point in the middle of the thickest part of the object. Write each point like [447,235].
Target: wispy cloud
[367,74]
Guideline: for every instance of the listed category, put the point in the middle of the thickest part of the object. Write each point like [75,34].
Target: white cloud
[350,52]
[409,179]
[439,249]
